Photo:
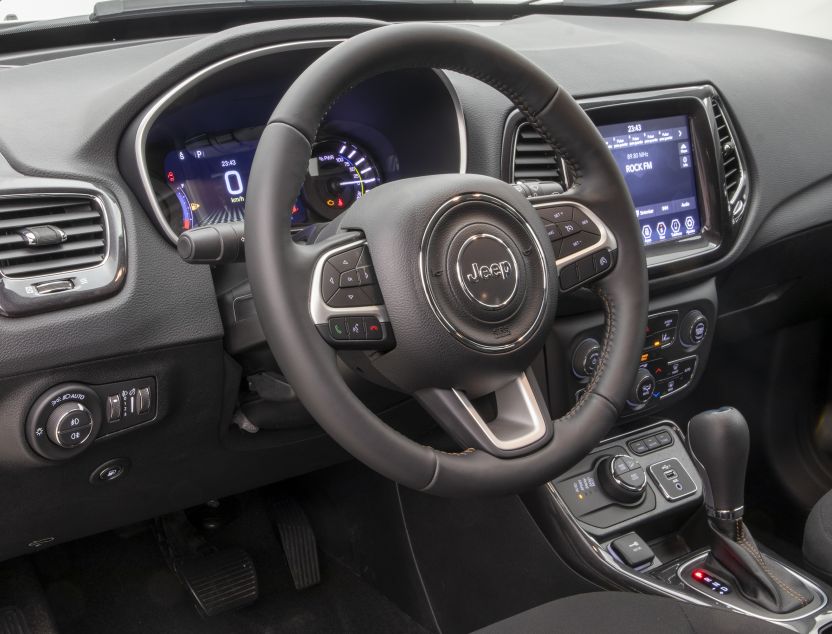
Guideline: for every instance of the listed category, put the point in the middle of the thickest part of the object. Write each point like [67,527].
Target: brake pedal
[298,541]
[222,581]
[218,580]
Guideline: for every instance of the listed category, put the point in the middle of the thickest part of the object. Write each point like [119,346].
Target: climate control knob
[643,388]
[69,425]
[693,329]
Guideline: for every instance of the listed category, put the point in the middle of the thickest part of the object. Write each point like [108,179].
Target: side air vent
[40,235]
[736,179]
[534,158]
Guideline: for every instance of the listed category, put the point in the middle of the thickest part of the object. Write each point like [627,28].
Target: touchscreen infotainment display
[656,158]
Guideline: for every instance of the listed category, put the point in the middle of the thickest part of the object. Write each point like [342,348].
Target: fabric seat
[619,612]
[817,540]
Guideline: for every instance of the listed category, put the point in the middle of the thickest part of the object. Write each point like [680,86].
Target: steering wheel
[462,281]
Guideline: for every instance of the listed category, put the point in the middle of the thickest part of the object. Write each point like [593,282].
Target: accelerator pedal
[218,580]
[298,541]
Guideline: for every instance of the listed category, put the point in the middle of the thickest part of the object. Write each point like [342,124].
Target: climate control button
[694,329]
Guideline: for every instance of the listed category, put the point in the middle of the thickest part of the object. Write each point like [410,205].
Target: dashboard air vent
[534,158]
[40,235]
[736,182]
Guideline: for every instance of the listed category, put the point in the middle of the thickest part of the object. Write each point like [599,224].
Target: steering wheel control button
[338,328]
[355,329]
[632,550]
[349,298]
[602,261]
[349,279]
[576,242]
[694,329]
[556,214]
[346,260]
[567,228]
[366,275]
[569,277]
[329,281]
[373,327]
[672,479]
[584,223]
[552,231]
[487,270]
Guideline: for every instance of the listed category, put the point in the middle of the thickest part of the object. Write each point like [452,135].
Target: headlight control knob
[69,425]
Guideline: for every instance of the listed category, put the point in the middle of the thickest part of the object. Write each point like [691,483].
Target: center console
[642,513]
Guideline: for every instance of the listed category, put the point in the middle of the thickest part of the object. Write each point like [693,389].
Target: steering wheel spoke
[585,247]
[511,421]
[345,301]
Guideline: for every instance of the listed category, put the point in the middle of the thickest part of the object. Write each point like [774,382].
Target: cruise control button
[346,260]
[356,329]
[584,223]
[338,328]
[576,242]
[329,281]
[349,298]
[552,231]
[556,214]
[374,331]
[567,228]
[350,279]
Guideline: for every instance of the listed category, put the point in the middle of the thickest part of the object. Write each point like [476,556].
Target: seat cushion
[619,612]
[817,538]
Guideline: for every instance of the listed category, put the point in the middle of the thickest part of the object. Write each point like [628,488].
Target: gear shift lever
[718,441]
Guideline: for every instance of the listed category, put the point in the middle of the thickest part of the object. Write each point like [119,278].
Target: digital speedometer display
[210,181]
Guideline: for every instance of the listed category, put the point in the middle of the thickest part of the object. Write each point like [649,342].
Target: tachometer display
[339,174]
[209,181]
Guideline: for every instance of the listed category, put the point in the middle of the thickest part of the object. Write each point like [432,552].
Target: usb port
[670,474]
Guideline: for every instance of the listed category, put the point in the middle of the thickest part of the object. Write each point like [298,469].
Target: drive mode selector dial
[69,425]
[622,477]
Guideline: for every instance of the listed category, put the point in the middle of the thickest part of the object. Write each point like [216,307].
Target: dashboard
[157,137]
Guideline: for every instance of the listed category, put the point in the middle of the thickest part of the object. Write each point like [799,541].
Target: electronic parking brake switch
[632,550]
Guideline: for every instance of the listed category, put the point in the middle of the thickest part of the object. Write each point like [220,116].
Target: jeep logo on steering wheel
[487,270]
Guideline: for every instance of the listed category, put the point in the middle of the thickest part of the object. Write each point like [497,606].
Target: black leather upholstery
[817,538]
[600,612]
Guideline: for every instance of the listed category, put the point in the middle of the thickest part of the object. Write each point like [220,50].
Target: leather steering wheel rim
[279,269]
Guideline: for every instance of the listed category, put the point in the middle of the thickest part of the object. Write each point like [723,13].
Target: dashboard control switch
[632,550]
[585,358]
[622,478]
[55,286]
[643,388]
[113,408]
[144,400]
[694,329]
[69,425]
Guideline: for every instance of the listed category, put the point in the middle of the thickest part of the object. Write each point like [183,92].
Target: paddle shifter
[718,441]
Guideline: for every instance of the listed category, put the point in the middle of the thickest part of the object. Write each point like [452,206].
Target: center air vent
[40,235]
[534,158]
[736,181]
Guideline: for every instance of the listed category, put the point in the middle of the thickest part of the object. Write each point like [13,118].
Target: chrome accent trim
[764,615]
[459,274]
[320,310]
[158,106]
[162,102]
[517,409]
[423,274]
[720,514]
[605,241]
